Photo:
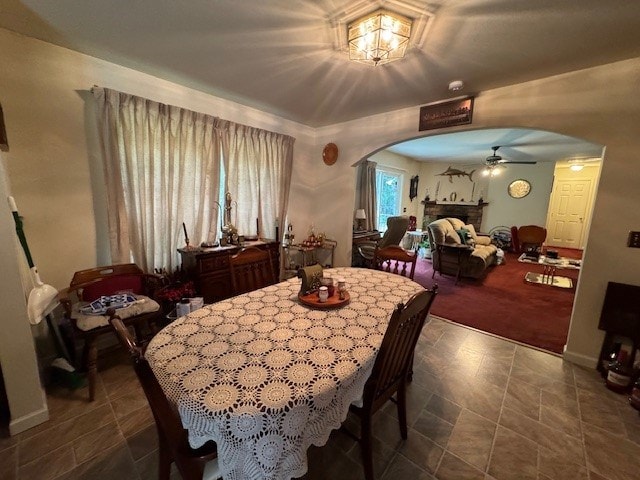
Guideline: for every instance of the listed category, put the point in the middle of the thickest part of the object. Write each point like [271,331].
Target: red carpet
[503,304]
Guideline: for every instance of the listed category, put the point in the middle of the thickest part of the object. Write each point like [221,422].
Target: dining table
[266,376]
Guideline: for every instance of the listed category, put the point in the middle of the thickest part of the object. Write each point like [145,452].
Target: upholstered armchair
[396,228]
[453,255]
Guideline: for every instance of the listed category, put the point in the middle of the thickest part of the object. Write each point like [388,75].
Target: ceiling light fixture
[576,167]
[379,37]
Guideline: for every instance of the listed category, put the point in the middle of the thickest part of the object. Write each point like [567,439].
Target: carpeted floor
[503,304]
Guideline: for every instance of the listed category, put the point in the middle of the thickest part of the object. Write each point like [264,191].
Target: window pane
[389,189]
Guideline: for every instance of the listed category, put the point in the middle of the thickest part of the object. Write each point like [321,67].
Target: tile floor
[480,408]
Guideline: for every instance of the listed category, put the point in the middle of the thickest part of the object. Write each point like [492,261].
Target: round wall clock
[330,153]
[519,188]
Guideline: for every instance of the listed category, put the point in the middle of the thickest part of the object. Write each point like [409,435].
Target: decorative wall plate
[330,153]
[519,188]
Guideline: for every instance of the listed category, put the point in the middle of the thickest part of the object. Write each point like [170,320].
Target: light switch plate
[634,239]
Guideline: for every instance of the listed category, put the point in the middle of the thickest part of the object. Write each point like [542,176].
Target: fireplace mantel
[467,211]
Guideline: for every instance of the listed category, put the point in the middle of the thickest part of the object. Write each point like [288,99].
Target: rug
[502,303]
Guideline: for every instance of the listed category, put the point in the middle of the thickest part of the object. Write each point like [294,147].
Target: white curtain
[258,165]
[162,168]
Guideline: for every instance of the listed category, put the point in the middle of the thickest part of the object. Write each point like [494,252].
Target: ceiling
[516,144]
[279,55]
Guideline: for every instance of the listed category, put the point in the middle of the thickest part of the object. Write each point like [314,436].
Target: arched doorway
[450,169]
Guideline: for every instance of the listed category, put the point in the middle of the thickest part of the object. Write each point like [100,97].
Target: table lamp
[360,216]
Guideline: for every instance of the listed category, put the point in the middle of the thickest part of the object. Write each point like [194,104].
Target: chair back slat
[251,269]
[92,274]
[395,259]
[107,280]
[396,352]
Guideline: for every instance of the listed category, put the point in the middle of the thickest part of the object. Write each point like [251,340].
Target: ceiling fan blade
[517,162]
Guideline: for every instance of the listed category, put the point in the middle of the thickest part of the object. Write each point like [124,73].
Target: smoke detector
[456,85]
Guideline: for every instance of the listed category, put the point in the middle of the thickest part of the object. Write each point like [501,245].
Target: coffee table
[550,265]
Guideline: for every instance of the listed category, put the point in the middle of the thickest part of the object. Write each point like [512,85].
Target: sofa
[457,249]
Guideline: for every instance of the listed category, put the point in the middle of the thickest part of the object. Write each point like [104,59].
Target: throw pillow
[452,237]
[464,235]
[472,231]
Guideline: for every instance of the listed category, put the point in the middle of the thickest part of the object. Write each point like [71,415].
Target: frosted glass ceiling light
[576,167]
[379,37]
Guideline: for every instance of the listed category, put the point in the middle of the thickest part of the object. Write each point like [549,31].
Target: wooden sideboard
[209,267]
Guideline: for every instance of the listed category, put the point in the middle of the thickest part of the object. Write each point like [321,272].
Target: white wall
[17,351]
[504,210]
[53,164]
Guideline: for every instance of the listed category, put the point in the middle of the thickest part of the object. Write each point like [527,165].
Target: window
[389,193]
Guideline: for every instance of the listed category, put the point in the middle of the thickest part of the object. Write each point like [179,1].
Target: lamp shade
[360,215]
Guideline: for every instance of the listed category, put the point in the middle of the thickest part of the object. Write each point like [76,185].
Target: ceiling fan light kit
[495,162]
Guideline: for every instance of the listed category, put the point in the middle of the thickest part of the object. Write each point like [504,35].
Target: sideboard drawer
[212,263]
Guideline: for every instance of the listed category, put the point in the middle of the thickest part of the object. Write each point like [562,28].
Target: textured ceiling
[516,144]
[279,55]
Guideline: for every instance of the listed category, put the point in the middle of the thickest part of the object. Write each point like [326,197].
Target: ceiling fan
[494,163]
[495,159]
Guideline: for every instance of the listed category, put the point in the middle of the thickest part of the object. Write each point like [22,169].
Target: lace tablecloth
[265,377]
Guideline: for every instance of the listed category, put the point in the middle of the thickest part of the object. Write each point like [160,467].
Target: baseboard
[579,359]
[19,425]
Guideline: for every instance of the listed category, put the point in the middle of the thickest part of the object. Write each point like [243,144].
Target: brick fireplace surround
[468,213]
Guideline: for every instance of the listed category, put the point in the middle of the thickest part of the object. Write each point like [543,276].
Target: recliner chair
[396,228]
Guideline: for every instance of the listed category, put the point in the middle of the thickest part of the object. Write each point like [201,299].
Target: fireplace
[464,218]
[468,213]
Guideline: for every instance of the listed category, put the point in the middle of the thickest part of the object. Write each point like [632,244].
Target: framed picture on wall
[413,189]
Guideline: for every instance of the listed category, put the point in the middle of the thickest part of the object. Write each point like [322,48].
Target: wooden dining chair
[89,285]
[396,228]
[193,464]
[395,259]
[391,370]
[251,269]
[531,238]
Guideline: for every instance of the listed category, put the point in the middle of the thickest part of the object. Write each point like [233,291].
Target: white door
[567,213]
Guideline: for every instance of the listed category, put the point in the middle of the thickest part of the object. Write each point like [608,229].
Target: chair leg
[402,409]
[91,359]
[410,373]
[164,458]
[366,446]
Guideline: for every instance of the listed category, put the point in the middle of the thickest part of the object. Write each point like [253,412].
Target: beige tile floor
[479,408]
